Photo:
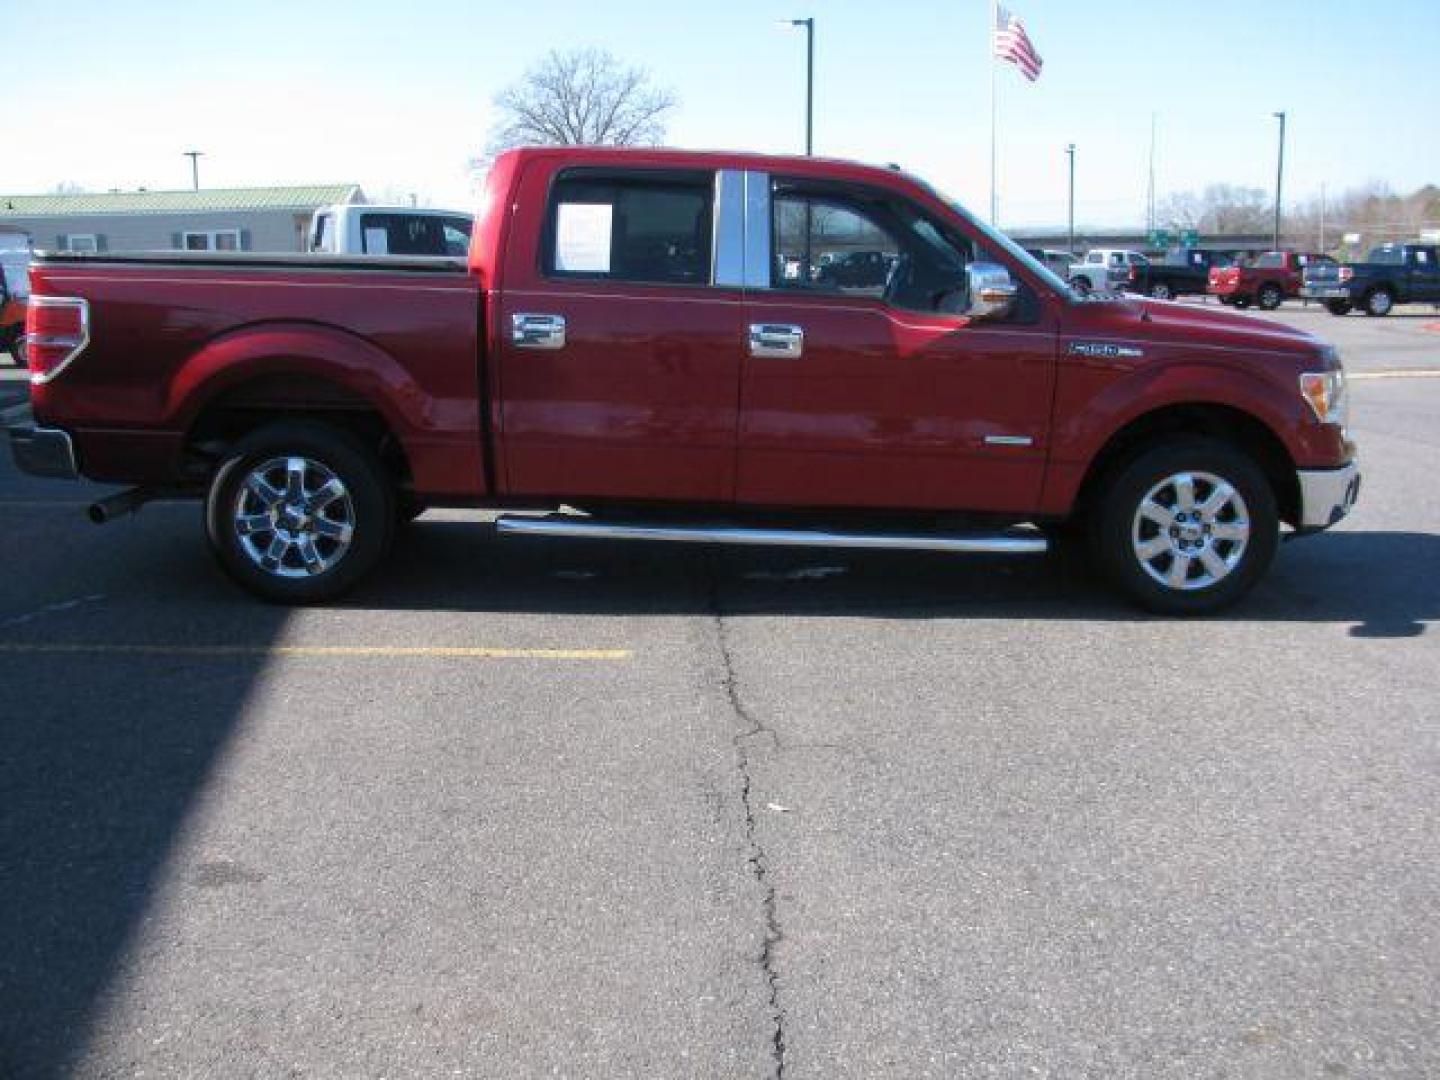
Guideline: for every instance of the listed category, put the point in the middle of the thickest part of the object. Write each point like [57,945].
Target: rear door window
[647,227]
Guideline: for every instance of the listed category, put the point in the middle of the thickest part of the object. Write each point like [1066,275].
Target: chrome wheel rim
[293,517]
[1190,531]
[1160,292]
[1380,302]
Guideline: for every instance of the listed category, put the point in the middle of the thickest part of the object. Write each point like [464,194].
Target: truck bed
[178,339]
[257,260]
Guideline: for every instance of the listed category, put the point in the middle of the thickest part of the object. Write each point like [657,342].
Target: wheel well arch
[1224,423]
[265,398]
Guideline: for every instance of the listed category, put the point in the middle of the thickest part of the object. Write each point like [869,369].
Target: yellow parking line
[444,652]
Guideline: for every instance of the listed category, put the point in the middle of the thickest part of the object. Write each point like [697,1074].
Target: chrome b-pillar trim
[757,230]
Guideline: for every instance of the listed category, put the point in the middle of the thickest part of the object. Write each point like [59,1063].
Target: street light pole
[1070,153]
[1279,176]
[809,25]
[194,156]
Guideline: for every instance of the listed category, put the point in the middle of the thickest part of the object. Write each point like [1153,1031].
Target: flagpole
[990,59]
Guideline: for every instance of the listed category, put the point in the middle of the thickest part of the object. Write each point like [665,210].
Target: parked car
[1185,272]
[855,269]
[1105,269]
[1057,262]
[1391,274]
[363,229]
[1266,280]
[14,288]
[623,344]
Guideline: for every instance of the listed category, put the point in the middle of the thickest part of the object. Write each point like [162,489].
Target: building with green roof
[211,219]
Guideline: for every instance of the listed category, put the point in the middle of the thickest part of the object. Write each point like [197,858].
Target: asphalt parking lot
[534,808]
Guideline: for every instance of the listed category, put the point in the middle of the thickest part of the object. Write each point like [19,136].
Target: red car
[624,343]
[1266,280]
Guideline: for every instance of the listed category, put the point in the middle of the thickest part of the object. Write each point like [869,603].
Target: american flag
[1013,44]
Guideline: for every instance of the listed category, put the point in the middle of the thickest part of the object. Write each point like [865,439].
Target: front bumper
[40,451]
[1325,292]
[1327,495]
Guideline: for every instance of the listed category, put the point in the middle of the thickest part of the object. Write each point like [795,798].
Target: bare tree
[67,187]
[584,97]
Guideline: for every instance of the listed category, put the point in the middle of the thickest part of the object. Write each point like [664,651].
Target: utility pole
[1279,176]
[1320,247]
[194,156]
[1070,153]
[809,25]
[1150,190]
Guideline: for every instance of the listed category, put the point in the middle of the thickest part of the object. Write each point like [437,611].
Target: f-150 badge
[1103,349]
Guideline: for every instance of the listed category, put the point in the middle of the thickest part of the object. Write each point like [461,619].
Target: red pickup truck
[642,346]
[1266,281]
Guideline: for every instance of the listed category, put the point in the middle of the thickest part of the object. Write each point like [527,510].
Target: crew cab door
[619,360]
[874,394]
[1424,274]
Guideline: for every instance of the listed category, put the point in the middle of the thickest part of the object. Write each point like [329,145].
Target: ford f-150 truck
[1391,274]
[1266,280]
[1183,273]
[623,353]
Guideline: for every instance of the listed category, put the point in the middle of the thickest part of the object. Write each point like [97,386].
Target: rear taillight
[1346,273]
[57,329]
[1134,273]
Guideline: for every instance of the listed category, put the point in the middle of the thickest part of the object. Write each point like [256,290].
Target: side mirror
[992,293]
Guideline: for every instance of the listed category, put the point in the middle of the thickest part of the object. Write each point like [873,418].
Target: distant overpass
[1135,239]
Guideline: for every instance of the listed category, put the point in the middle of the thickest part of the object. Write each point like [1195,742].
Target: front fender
[1098,399]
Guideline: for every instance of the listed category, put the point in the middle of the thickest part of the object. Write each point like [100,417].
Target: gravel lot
[719,813]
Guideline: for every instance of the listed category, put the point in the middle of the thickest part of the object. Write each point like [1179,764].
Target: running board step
[1021,541]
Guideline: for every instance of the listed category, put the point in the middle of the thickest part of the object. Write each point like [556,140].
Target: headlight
[1325,391]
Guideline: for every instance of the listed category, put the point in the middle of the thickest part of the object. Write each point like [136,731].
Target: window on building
[631,227]
[211,240]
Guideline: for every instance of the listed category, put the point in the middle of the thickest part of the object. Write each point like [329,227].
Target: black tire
[1241,302]
[1269,297]
[1338,307]
[1117,524]
[369,506]
[1379,302]
[1083,284]
[1161,291]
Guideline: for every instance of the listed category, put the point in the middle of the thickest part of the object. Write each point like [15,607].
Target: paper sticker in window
[582,238]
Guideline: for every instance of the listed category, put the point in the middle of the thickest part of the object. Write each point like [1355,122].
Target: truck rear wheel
[1269,297]
[1186,528]
[298,512]
[1161,291]
[1338,307]
[1378,302]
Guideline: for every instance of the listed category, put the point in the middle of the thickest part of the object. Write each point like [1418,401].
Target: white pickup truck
[1105,269]
[364,229]
[14,289]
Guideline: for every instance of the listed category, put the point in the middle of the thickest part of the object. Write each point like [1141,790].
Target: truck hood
[1171,324]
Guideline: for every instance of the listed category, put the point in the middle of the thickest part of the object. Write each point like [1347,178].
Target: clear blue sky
[398,96]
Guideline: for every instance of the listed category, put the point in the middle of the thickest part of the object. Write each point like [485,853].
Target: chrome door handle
[530,331]
[777,340]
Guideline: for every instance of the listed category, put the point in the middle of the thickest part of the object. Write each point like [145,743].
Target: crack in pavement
[756,860]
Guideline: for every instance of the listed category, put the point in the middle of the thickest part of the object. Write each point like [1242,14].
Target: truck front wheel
[298,512]
[1186,528]
[1269,297]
